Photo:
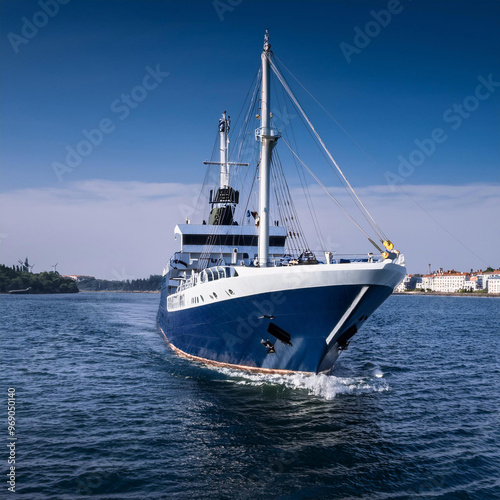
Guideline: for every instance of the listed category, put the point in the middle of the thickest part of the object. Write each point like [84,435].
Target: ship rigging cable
[378,231]
[243,133]
[285,207]
[287,120]
[325,110]
[328,192]
[296,240]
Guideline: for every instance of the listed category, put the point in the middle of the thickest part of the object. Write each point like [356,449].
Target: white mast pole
[265,158]
[224,167]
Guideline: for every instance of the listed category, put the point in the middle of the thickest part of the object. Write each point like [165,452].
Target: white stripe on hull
[343,319]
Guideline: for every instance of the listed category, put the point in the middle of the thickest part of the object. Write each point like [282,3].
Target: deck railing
[208,274]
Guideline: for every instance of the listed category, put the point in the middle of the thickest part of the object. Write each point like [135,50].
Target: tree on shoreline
[45,282]
[489,270]
[151,284]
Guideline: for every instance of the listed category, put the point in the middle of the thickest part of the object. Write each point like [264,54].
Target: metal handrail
[217,272]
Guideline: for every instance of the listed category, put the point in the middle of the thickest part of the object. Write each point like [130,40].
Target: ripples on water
[105,410]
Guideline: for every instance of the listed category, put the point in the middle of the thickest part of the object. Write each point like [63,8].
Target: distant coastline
[429,294]
[20,279]
[449,294]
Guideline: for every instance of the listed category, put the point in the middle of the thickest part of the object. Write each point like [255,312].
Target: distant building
[453,281]
[492,274]
[493,284]
[485,278]
[79,277]
[427,282]
[471,284]
[450,281]
[446,281]
[481,282]
[409,282]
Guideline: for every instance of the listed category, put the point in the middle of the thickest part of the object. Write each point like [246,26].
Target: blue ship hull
[229,333]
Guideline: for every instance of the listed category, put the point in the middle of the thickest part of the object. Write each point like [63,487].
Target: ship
[244,290]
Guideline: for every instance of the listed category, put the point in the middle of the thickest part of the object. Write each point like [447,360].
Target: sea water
[104,409]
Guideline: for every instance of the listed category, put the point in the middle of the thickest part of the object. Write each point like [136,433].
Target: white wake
[324,386]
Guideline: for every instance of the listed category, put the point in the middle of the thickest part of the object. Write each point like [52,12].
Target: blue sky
[396,90]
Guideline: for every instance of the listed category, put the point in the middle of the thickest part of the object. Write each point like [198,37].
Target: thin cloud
[97,226]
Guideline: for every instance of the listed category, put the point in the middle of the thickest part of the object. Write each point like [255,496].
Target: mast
[225,198]
[224,123]
[268,138]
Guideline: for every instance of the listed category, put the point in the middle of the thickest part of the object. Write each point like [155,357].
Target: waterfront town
[452,282]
